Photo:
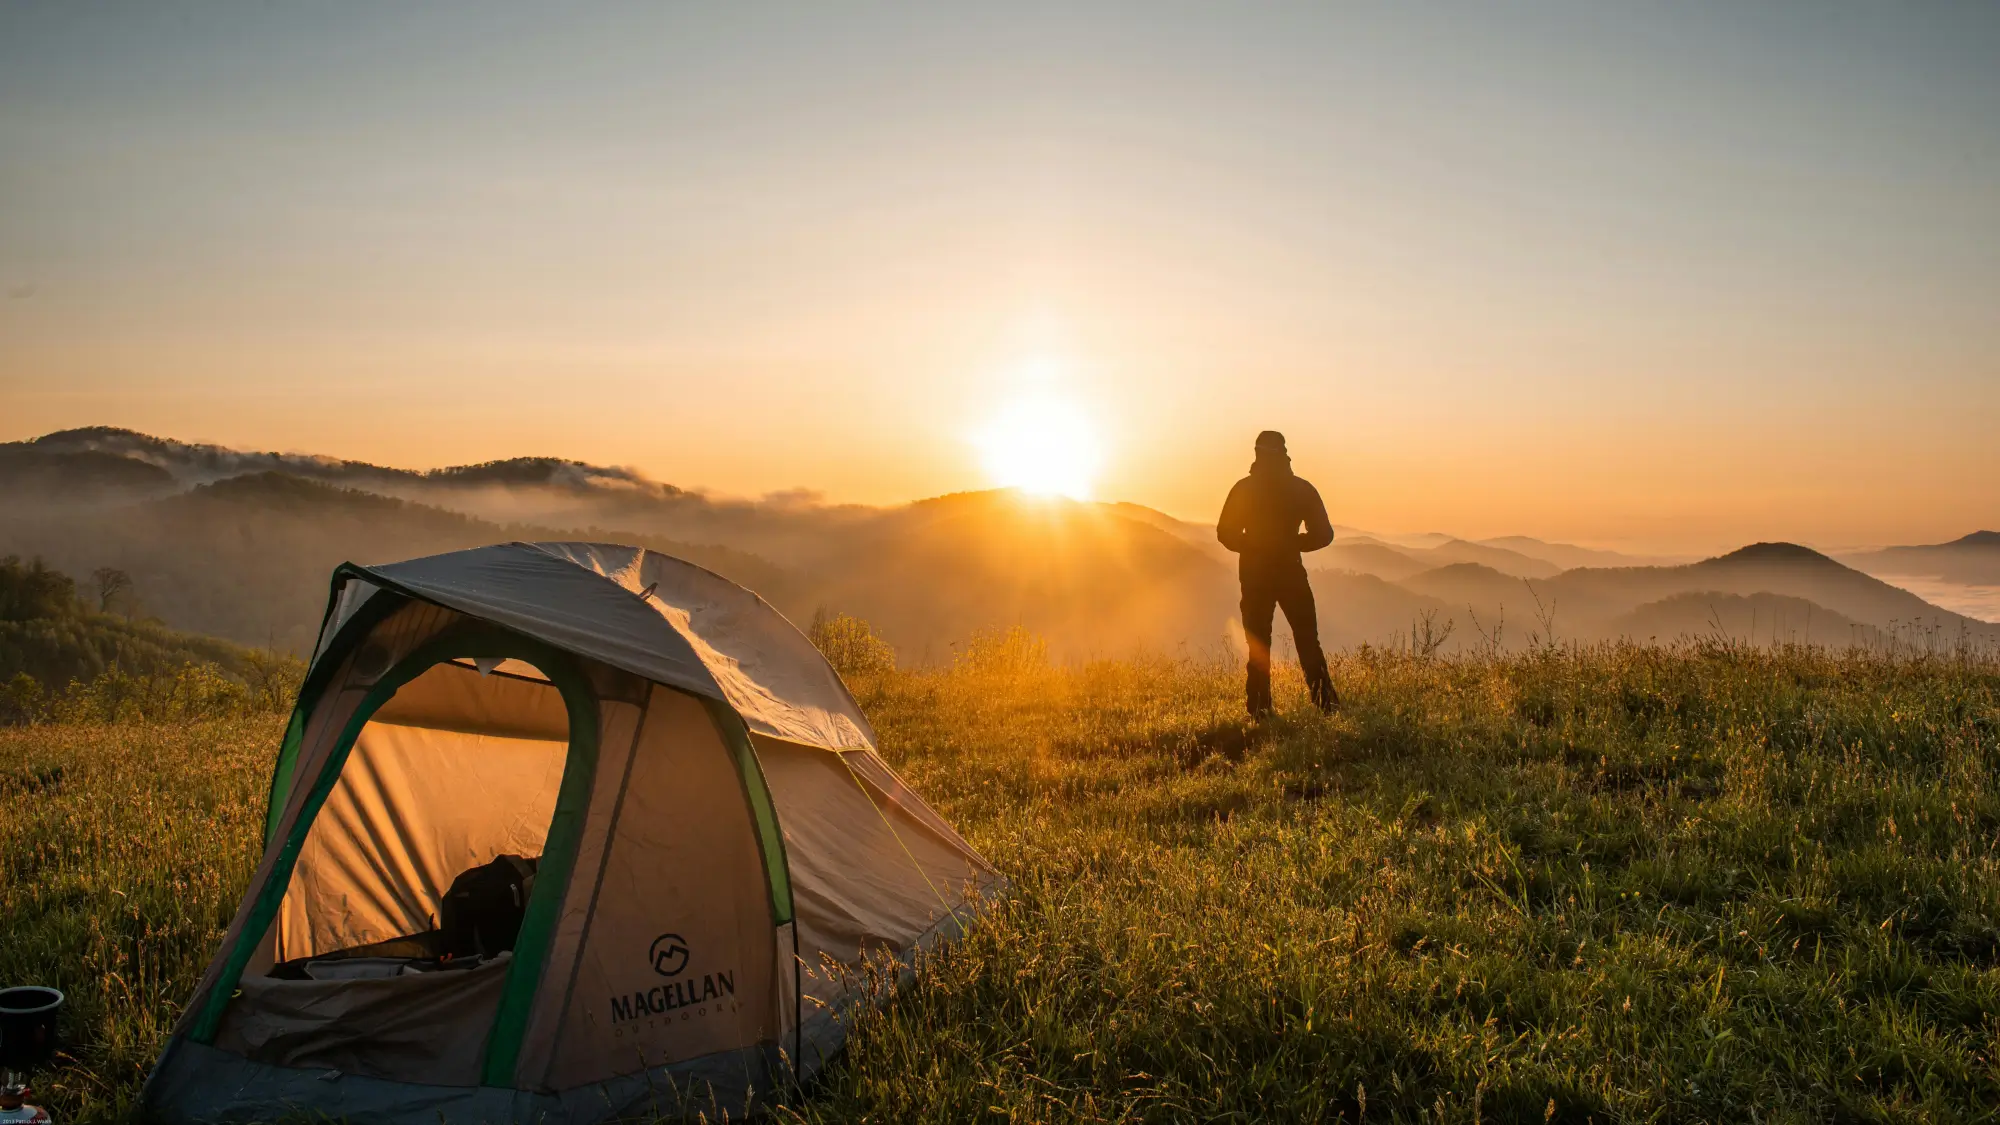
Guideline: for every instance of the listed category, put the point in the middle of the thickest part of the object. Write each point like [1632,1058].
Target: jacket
[1262,517]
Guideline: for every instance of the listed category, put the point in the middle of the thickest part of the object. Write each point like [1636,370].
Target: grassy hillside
[50,635]
[62,659]
[1692,884]
[56,650]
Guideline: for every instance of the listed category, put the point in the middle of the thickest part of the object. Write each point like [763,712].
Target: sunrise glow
[1044,445]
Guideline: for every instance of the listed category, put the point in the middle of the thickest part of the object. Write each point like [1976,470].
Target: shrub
[193,691]
[850,645]
[1010,652]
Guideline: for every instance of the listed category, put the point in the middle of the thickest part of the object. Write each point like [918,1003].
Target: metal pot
[28,1026]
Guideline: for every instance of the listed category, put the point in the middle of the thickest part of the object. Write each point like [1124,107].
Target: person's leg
[1259,602]
[1296,596]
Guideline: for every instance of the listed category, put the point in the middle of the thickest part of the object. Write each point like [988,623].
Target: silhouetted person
[1261,522]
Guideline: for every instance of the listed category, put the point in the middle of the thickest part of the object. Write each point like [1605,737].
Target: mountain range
[1973,560]
[239,545]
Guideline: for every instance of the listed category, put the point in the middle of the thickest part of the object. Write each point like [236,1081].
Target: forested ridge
[55,642]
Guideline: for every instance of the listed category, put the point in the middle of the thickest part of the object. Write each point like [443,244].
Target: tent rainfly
[674,792]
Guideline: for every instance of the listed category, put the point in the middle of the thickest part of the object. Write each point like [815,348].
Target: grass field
[1699,884]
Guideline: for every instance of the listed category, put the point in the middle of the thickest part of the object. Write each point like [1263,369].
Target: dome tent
[713,838]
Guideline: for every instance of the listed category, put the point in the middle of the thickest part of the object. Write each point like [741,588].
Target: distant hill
[192,463]
[1784,568]
[1368,557]
[1200,536]
[1362,552]
[1593,603]
[1566,556]
[248,558]
[239,545]
[1086,577]
[1365,555]
[1364,609]
[31,478]
[1505,561]
[1973,560]
[1463,584]
[1758,618]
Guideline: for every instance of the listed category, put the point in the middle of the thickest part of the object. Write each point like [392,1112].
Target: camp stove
[14,1107]
[27,1040]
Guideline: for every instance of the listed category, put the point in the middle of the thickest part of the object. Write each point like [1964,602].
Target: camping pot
[28,1026]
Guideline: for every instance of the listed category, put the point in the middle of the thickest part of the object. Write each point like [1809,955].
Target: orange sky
[1676,280]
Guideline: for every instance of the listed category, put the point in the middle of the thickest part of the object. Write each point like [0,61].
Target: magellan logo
[690,997]
[669,955]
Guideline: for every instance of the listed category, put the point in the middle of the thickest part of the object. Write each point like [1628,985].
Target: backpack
[481,913]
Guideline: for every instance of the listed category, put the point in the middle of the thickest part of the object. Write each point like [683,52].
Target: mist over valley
[238,545]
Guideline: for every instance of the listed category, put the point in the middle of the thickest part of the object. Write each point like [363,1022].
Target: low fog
[240,546]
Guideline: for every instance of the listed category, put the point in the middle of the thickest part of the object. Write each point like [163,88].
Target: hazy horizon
[1666,280]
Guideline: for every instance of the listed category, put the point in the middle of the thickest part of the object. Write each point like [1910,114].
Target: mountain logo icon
[669,955]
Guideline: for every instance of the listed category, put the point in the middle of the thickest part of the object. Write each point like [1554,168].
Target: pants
[1264,590]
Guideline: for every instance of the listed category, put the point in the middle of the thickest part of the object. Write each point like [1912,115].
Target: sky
[1673,277]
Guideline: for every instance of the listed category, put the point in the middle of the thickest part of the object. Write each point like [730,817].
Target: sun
[1044,445]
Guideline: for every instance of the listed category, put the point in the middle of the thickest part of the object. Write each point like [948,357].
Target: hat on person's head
[1270,441]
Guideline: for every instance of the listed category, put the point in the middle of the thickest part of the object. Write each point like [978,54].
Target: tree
[111,582]
[34,591]
[21,698]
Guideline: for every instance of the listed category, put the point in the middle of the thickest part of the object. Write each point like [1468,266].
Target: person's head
[1271,455]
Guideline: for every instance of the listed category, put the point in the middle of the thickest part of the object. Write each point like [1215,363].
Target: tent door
[399,746]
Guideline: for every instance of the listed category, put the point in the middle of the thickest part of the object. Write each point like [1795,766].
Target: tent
[714,842]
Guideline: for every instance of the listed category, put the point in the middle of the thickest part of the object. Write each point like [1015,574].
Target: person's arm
[1229,529]
[1319,529]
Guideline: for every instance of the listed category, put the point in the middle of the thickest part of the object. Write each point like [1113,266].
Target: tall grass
[124,848]
[1707,883]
